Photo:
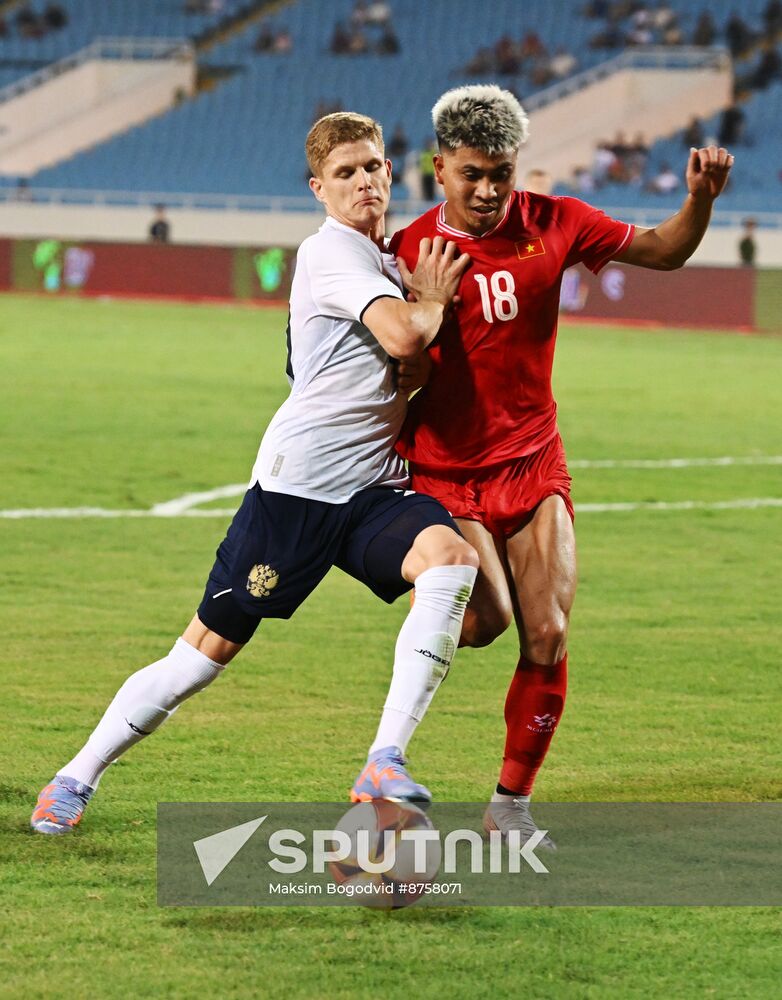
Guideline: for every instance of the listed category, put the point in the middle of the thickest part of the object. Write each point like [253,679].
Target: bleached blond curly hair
[481,116]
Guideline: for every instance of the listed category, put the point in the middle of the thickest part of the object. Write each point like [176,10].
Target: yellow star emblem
[531,247]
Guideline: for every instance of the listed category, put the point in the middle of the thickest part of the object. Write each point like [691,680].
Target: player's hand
[413,375]
[437,273]
[707,171]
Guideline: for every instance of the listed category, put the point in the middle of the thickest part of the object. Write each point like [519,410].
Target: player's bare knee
[546,640]
[438,547]
[459,553]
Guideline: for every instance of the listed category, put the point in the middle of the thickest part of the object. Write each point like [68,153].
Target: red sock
[533,708]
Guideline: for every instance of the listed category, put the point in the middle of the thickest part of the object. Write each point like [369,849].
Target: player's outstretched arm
[674,241]
[405,329]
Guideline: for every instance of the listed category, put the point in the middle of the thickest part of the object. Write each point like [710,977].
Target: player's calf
[143,703]
[483,624]
[424,652]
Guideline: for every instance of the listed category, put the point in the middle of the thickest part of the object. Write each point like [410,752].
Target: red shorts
[502,497]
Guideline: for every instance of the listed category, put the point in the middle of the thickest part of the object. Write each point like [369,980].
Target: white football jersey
[335,433]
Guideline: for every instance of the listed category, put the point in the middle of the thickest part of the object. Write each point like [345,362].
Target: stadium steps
[107,88]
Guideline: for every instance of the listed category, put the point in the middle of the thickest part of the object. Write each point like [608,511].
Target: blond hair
[481,116]
[332,130]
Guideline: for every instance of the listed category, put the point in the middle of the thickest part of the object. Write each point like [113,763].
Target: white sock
[144,702]
[424,650]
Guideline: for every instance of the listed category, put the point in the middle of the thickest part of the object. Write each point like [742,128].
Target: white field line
[186,505]
[672,463]
[45,513]
[173,508]
[745,503]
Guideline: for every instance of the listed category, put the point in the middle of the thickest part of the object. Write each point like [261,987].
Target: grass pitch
[675,691]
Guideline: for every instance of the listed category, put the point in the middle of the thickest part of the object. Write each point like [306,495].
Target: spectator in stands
[507,56]
[641,31]
[351,41]
[22,191]
[481,62]
[747,245]
[375,14]
[358,16]
[603,163]
[538,181]
[705,31]
[768,69]
[673,34]
[359,43]
[532,46]
[642,17]
[3,28]
[283,42]
[731,128]
[737,35]
[619,162]
[426,169]
[540,75]
[389,42]
[619,10]
[269,40]
[28,24]
[583,182]
[398,144]
[160,229]
[264,41]
[663,17]
[597,9]
[378,13]
[563,63]
[692,136]
[636,157]
[772,19]
[620,146]
[665,181]
[340,40]
[611,37]
[54,17]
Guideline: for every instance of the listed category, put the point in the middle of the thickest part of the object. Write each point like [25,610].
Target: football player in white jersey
[327,487]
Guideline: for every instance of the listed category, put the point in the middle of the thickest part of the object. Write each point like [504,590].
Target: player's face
[477,187]
[355,184]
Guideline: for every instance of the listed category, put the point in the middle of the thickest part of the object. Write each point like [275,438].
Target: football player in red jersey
[482,436]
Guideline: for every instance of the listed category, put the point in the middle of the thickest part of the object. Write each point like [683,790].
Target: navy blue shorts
[279,547]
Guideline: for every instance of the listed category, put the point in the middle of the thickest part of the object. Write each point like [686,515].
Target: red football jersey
[489,395]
